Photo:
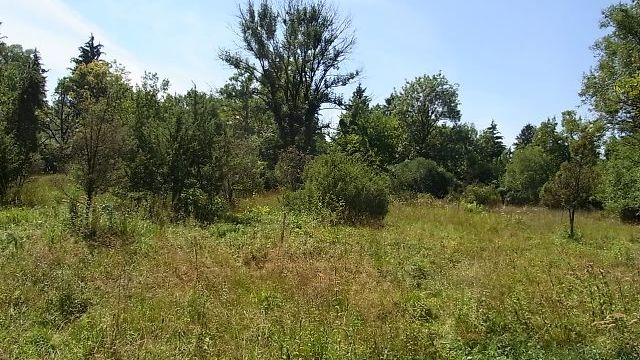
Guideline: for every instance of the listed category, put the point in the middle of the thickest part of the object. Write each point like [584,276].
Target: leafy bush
[484,195]
[422,176]
[290,168]
[344,186]
[195,203]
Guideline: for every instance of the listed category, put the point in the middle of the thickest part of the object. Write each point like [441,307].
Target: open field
[437,281]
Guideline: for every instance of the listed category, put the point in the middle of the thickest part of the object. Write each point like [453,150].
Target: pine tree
[89,52]
[525,137]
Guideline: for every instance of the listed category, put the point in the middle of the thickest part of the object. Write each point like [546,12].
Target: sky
[516,61]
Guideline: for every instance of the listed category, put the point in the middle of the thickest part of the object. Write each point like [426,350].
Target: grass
[436,282]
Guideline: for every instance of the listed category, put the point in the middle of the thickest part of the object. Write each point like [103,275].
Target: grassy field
[437,281]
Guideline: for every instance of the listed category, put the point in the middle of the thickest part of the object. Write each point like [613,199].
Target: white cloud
[57,31]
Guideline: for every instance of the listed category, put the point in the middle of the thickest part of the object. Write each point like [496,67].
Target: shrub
[346,187]
[197,204]
[290,168]
[484,195]
[422,176]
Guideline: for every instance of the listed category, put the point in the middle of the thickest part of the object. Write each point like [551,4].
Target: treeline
[197,153]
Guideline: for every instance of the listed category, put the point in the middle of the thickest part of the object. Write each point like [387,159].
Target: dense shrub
[346,187]
[197,204]
[481,195]
[422,176]
[290,168]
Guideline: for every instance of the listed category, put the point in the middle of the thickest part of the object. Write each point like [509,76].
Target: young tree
[574,185]
[294,51]
[101,96]
[421,105]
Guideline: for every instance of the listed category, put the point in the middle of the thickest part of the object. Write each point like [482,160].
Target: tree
[620,186]
[100,93]
[89,52]
[10,165]
[421,105]
[454,148]
[611,87]
[527,172]
[525,137]
[23,86]
[490,165]
[552,142]
[574,185]
[294,52]
[58,127]
[22,98]
[368,132]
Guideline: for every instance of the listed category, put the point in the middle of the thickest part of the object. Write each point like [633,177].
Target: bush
[197,204]
[423,176]
[345,187]
[290,168]
[481,195]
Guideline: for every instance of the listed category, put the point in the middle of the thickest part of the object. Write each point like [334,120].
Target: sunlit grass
[437,281]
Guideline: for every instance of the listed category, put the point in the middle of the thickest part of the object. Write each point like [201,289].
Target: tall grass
[437,281]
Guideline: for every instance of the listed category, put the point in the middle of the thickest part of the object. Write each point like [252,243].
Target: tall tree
[89,52]
[552,142]
[490,150]
[421,105]
[525,137]
[22,98]
[58,127]
[294,50]
[611,87]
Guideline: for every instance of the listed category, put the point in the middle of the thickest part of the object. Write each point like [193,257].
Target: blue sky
[515,61]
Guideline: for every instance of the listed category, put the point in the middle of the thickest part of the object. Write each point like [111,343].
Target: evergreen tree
[89,52]
[525,137]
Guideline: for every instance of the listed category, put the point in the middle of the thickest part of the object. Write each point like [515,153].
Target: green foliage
[491,156]
[101,95]
[196,203]
[57,129]
[575,184]
[289,170]
[620,188]
[368,132]
[10,164]
[89,52]
[611,87]
[347,187]
[22,97]
[421,105]
[422,176]
[294,50]
[525,137]
[485,195]
[529,169]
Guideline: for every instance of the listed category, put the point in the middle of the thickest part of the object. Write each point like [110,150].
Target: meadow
[436,280]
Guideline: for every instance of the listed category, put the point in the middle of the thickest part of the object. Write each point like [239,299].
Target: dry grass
[435,282]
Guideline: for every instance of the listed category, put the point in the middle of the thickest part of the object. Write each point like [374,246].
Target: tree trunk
[572,217]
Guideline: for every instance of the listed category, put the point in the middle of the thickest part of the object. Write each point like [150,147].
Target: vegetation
[435,282]
[138,222]
[423,177]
